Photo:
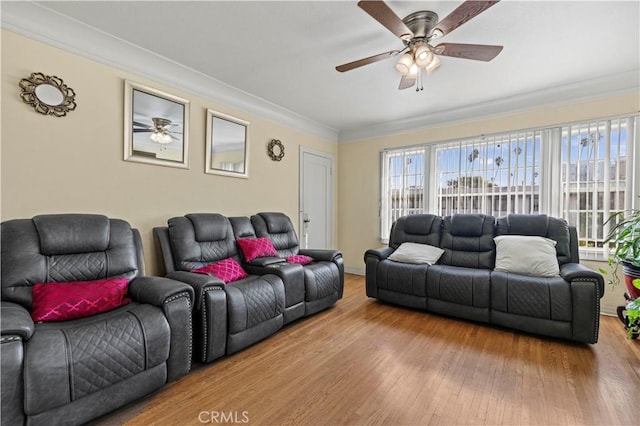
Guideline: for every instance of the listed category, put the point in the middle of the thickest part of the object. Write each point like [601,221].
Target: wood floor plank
[365,362]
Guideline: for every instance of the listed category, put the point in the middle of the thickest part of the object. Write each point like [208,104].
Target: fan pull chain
[419,80]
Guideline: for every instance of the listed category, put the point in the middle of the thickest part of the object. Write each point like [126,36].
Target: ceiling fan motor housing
[421,24]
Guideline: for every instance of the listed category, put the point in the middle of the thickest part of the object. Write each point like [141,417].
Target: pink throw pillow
[252,248]
[78,299]
[227,270]
[299,258]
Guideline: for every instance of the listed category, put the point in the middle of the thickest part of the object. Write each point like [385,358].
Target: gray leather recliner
[323,278]
[69,372]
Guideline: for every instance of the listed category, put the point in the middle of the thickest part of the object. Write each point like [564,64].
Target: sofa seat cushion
[403,278]
[321,279]
[460,285]
[254,300]
[66,361]
[539,297]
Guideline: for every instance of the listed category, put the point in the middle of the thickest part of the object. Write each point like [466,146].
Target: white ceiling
[286,53]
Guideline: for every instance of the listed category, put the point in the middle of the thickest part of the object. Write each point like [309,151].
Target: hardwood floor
[364,362]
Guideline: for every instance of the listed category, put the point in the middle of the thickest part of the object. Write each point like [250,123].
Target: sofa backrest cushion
[416,228]
[467,241]
[65,248]
[542,226]
[199,239]
[279,228]
[242,227]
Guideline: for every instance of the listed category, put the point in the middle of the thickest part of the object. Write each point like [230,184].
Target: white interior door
[316,195]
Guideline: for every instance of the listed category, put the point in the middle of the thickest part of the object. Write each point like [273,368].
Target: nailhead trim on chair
[10,339]
[176,297]
[597,304]
[204,320]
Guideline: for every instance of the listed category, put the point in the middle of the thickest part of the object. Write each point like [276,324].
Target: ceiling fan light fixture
[405,63]
[434,65]
[413,71]
[423,56]
[160,137]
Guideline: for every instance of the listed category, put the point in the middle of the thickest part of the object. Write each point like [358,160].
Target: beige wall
[359,168]
[74,164]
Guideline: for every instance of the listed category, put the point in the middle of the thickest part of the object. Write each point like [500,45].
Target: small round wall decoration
[275,149]
[47,94]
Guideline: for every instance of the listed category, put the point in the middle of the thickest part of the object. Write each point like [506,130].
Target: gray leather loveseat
[464,282]
[230,317]
[66,367]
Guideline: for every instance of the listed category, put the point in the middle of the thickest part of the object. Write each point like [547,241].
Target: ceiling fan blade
[366,61]
[142,130]
[478,52]
[387,17]
[139,124]
[406,82]
[464,13]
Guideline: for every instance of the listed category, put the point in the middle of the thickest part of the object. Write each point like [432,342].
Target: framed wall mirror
[227,145]
[48,94]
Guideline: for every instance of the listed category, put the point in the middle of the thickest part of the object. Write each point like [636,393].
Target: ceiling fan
[417,30]
[159,130]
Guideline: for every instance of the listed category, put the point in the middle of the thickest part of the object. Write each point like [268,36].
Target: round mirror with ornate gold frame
[47,94]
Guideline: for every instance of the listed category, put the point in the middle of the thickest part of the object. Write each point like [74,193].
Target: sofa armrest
[15,321]
[175,298]
[211,320]
[199,282]
[321,254]
[157,290]
[380,254]
[371,259]
[587,287]
[577,272]
[17,326]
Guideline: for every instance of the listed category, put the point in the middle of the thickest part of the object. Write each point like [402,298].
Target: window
[494,176]
[595,177]
[580,171]
[403,174]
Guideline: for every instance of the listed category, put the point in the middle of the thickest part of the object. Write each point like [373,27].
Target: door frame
[330,202]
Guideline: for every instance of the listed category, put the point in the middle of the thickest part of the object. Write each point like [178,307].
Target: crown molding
[37,22]
[598,88]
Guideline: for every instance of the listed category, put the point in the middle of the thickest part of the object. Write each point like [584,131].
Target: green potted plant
[625,238]
[630,316]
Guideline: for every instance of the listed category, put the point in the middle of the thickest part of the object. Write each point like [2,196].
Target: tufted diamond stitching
[531,299]
[104,353]
[213,250]
[261,302]
[327,277]
[457,289]
[78,267]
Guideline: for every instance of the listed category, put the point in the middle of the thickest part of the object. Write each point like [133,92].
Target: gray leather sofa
[69,372]
[464,284]
[230,317]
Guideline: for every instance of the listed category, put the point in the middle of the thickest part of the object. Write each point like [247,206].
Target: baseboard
[354,271]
